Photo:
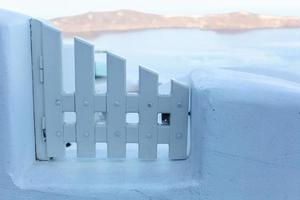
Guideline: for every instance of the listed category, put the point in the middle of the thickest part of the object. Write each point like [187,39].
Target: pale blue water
[175,52]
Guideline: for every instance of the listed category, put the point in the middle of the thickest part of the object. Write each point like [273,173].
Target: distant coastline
[94,24]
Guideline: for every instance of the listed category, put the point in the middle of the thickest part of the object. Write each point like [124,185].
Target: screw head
[58,133]
[116,103]
[149,136]
[149,105]
[179,104]
[57,102]
[178,135]
[86,134]
[85,103]
[117,133]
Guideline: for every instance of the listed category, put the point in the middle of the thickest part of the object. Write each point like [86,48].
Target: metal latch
[41,68]
[44,128]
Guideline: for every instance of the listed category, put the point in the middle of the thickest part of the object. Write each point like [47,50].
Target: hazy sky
[55,8]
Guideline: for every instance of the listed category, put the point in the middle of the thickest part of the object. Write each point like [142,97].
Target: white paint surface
[249,126]
[16,113]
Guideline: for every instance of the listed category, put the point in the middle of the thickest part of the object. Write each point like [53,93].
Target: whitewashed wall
[247,126]
[16,117]
[16,124]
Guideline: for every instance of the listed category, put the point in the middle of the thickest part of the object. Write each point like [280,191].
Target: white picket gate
[50,103]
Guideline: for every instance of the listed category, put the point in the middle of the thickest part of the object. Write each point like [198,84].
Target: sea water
[176,52]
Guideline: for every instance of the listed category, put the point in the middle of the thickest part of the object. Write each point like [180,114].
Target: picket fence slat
[148,101]
[102,117]
[84,98]
[116,100]
[179,121]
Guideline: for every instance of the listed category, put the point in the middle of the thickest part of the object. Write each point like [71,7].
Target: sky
[56,8]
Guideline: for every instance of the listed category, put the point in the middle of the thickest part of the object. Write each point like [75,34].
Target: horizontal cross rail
[132,101]
[131,131]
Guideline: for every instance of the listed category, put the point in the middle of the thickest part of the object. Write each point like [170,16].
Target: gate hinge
[44,136]
[41,68]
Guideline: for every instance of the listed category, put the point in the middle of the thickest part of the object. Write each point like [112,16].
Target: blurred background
[57,8]
[175,37]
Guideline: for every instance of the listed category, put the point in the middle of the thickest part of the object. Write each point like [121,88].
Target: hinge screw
[57,102]
[178,135]
[86,134]
[116,103]
[58,133]
[117,133]
[85,103]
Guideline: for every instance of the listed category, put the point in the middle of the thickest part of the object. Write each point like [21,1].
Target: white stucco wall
[16,123]
[16,113]
[249,126]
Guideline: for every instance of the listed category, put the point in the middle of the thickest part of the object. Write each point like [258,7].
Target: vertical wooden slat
[52,63]
[38,89]
[179,121]
[148,104]
[84,98]
[116,105]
